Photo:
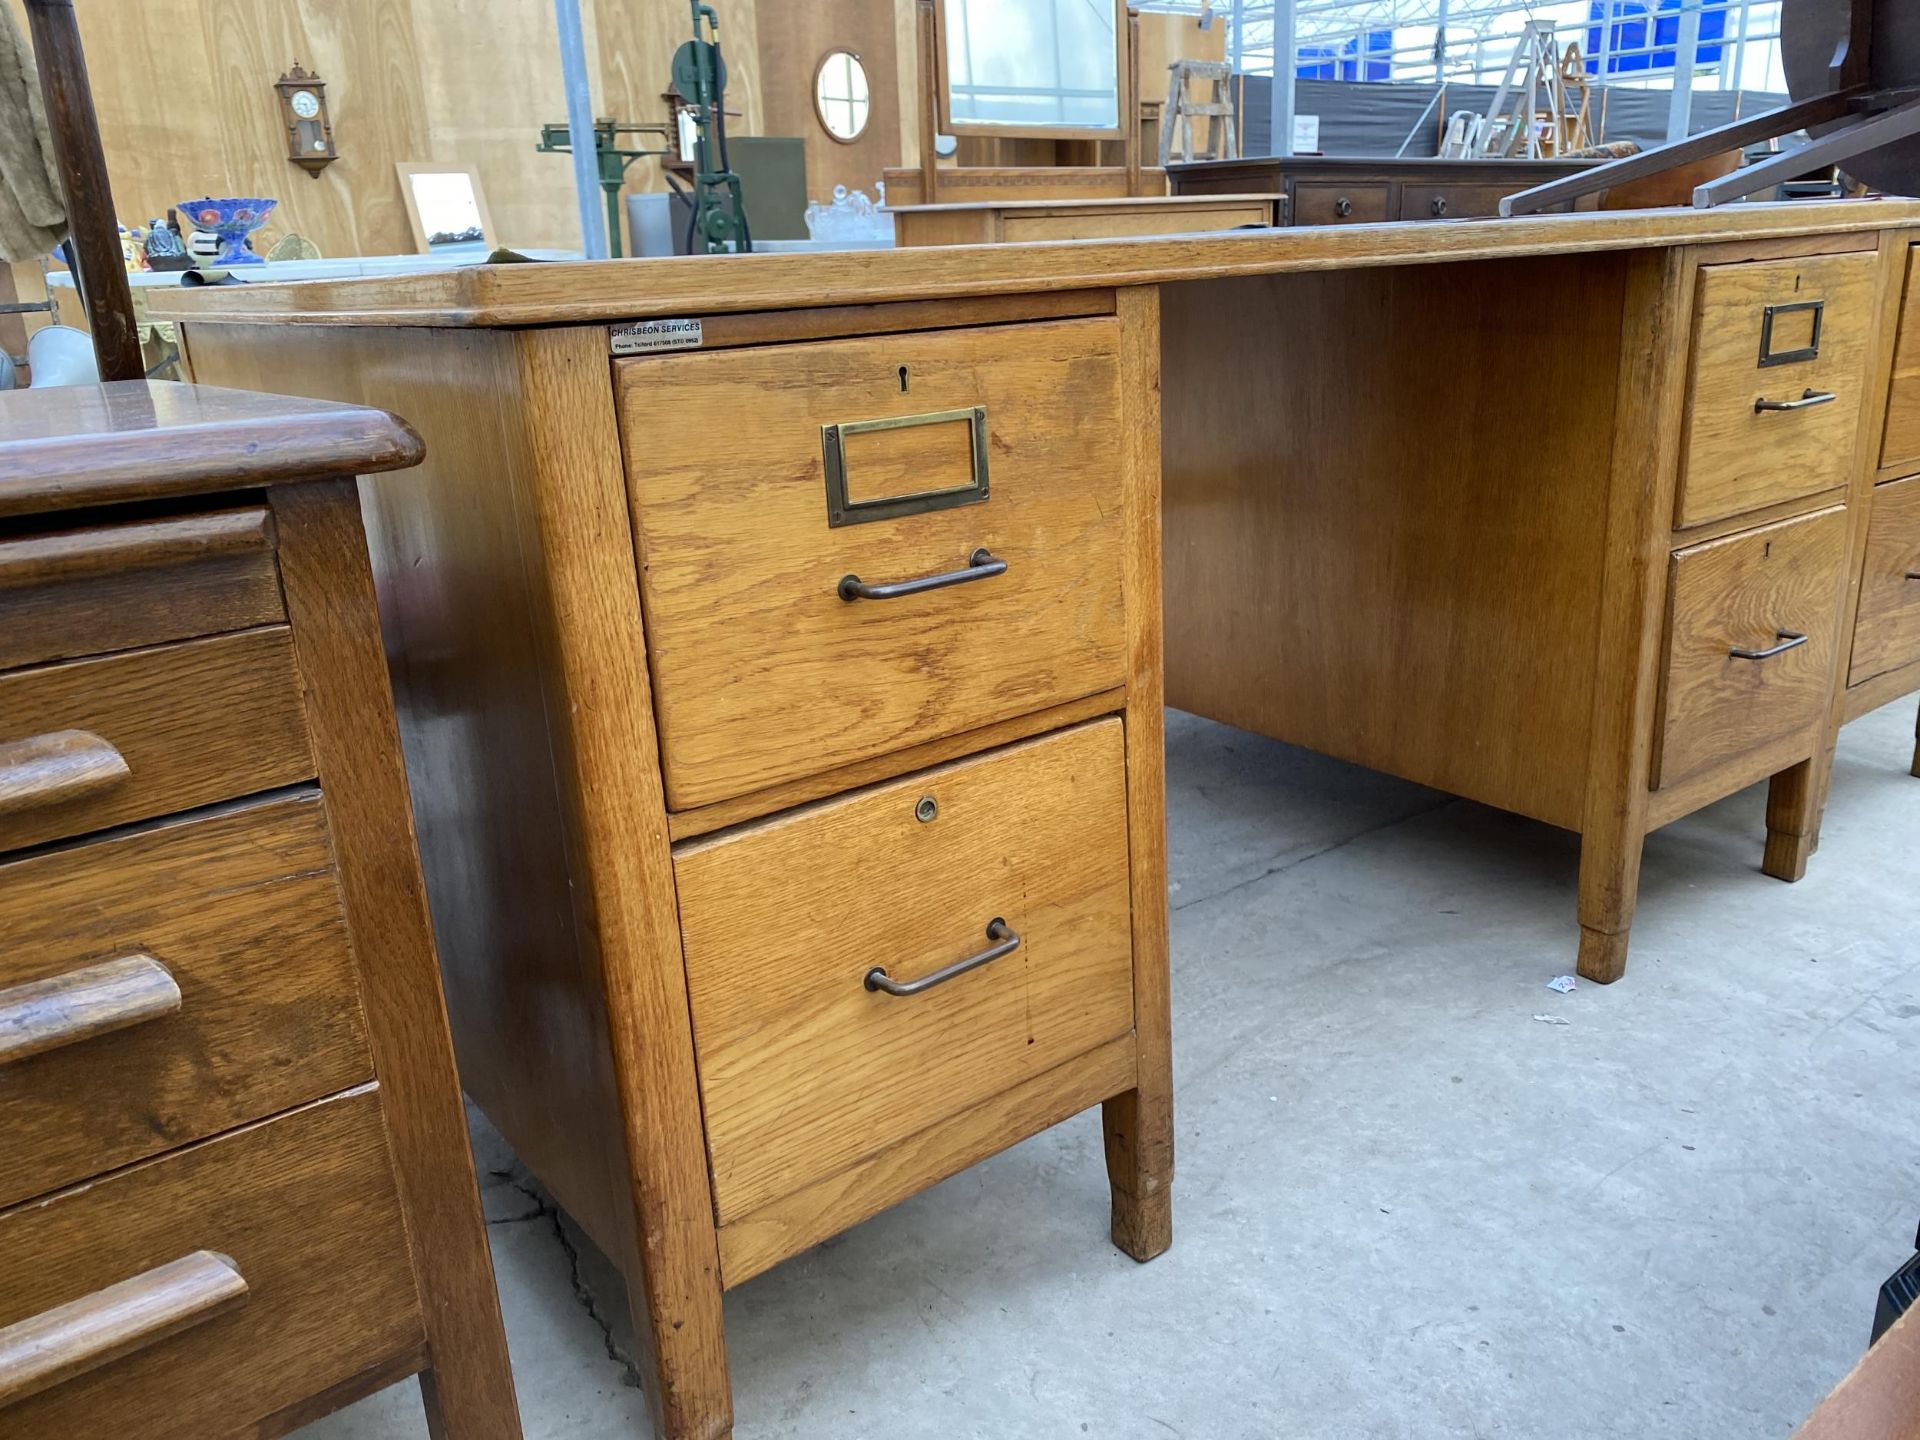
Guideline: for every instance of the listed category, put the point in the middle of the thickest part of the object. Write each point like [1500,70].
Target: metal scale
[1853,69]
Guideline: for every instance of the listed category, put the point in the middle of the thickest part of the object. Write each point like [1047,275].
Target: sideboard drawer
[806,1067]
[296,1279]
[143,582]
[164,985]
[93,743]
[990,457]
[1450,202]
[1750,641]
[1779,373]
[1887,633]
[1322,204]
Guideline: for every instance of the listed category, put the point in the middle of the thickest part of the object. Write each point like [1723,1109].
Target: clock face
[305,104]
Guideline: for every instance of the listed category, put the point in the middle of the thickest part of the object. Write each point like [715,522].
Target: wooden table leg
[1139,1124]
[1609,892]
[1795,799]
[1915,771]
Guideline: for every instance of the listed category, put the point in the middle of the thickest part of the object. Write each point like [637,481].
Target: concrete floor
[1406,1206]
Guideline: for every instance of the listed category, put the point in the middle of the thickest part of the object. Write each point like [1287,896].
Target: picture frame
[446,207]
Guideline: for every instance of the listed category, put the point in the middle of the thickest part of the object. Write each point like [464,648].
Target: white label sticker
[651,335]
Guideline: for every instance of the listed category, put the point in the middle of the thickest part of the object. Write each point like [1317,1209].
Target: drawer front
[116,587]
[1149,219]
[1450,202]
[1887,633]
[1323,203]
[246,1004]
[1752,593]
[762,672]
[1901,444]
[92,743]
[1755,346]
[303,1208]
[804,1070]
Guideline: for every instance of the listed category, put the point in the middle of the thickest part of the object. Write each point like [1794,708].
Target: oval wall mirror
[840,95]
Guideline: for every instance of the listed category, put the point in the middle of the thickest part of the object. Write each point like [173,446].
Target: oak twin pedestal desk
[778,646]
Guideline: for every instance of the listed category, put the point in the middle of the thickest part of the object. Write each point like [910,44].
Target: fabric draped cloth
[33,212]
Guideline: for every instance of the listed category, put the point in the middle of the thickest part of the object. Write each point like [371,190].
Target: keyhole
[1767,554]
[903,379]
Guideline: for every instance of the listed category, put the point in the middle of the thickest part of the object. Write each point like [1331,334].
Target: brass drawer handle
[1439,206]
[1788,641]
[69,1340]
[998,931]
[1343,207]
[44,1015]
[58,766]
[1806,402]
[980,566]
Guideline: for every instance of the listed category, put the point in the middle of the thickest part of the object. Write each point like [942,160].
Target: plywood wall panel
[794,39]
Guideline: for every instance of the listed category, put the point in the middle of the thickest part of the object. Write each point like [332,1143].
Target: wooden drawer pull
[1807,401]
[980,566]
[998,931]
[59,766]
[1788,641]
[47,1014]
[69,1340]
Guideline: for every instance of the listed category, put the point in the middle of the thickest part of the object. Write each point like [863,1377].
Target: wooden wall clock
[303,110]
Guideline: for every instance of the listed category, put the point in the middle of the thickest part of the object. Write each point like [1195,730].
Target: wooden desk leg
[1139,1124]
[1627,646]
[356,746]
[1795,800]
[1915,771]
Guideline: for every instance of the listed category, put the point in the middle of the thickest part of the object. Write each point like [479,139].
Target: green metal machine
[700,79]
[719,214]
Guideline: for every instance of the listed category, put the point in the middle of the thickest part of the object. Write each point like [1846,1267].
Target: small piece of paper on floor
[1552,1020]
[1563,983]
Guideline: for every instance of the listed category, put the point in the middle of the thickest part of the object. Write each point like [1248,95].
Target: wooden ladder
[1222,139]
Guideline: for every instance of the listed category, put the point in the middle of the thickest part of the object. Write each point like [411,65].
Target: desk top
[602,290]
[144,440]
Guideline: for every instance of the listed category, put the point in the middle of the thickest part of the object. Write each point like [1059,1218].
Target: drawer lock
[1005,942]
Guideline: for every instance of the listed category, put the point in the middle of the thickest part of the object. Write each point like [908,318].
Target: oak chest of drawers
[237,1191]
[784,721]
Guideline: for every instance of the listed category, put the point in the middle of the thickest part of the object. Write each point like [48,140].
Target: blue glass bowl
[232,220]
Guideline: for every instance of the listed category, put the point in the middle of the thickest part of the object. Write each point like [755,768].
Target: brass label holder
[1769,356]
[841,510]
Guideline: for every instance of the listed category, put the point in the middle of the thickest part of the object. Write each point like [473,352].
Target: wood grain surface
[761,672]
[303,1206]
[115,587]
[803,1071]
[148,440]
[629,289]
[1735,458]
[1417,590]
[196,722]
[241,908]
[1744,591]
[1880,1398]
[1886,634]
[1900,444]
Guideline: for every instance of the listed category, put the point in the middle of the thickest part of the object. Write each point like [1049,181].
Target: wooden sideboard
[238,1192]
[1337,190]
[987,222]
[1451,501]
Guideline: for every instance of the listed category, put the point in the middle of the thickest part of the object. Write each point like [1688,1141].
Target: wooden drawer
[167,984]
[1751,592]
[1450,202]
[1887,632]
[1901,445]
[762,672]
[1777,332]
[115,587]
[1148,217]
[92,743]
[302,1207]
[805,1071]
[1333,204]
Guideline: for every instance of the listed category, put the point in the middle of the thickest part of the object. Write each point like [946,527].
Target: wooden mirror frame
[1122,86]
[819,68]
